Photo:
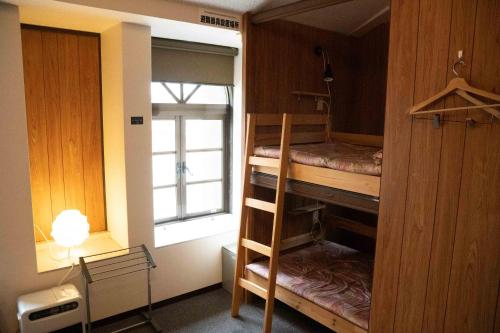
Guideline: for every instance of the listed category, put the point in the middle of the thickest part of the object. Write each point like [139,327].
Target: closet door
[63,107]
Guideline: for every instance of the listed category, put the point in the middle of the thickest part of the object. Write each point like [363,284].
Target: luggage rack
[112,264]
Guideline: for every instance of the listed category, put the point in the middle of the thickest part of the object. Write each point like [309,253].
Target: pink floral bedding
[330,275]
[338,156]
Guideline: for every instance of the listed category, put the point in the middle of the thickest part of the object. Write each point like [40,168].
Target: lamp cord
[66,276]
[49,245]
[329,104]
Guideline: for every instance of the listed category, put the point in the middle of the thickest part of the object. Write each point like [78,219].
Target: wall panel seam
[407,176]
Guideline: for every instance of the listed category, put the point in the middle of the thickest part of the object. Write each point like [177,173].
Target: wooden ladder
[275,208]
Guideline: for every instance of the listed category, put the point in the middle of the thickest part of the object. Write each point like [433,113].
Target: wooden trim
[296,241]
[286,130]
[262,139]
[300,93]
[359,139]
[264,161]
[242,256]
[307,209]
[294,8]
[354,226]
[324,194]
[260,204]
[316,312]
[266,119]
[348,181]
[253,287]
[66,31]
[255,246]
[271,139]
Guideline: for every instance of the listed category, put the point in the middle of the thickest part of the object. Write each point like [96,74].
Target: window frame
[181,113]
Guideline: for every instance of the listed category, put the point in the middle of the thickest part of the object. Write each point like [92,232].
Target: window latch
[178,168]
[185,168]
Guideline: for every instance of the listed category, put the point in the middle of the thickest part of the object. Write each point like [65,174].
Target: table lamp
[70,228]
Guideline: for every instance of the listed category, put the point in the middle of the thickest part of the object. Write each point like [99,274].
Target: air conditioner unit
[50,310]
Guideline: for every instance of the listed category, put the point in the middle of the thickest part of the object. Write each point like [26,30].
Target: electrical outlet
[319,104]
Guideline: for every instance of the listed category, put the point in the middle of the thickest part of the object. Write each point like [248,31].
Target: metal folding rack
[134,259]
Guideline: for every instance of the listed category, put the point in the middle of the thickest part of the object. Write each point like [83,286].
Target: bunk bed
[349,163]
[326,281]
[342,300]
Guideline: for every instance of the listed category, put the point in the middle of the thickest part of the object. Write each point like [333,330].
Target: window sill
[175,233]
[50,256]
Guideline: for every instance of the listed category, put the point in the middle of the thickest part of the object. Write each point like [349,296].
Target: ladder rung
[255,246]
[254,288]
[260,204]
[264,161]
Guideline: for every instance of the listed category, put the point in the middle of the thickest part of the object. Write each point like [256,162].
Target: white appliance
[49,310]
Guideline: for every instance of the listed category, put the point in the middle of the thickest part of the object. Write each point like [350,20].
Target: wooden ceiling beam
[295,8]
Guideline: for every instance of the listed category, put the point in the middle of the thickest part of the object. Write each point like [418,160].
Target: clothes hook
[460,61]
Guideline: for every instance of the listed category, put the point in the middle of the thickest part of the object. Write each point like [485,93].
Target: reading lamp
[328,74]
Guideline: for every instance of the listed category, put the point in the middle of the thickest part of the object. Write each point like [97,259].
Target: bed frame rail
[306,129]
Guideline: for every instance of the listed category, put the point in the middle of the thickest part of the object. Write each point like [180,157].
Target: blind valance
[180,61]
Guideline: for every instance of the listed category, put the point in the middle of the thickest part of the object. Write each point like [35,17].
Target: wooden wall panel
[90,97]
[63,97]
[71,121]
[443,235]
[430,78]
[280,58]
[450,172]
[55,146]
[397,134]
[485,68]
[283,60]
[370,79]
[461,38]
[475,271]
[445,262]
[418,225]
[37,129]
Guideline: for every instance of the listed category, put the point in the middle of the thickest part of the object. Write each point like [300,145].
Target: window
[190,157]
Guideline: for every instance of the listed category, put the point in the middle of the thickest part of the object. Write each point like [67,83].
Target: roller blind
[179,61]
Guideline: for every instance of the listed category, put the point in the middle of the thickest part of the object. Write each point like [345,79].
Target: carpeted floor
[210,313]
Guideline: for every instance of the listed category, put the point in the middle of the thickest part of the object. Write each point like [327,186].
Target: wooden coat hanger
[460,87]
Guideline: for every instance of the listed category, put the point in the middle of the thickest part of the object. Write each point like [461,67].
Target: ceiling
[343,18]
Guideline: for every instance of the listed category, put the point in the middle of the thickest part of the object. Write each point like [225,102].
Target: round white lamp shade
[70,228]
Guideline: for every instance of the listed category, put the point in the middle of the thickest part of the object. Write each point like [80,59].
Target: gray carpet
[211,313]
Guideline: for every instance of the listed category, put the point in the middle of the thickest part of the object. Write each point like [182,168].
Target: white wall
[114,134]
[182,267]
[17,250]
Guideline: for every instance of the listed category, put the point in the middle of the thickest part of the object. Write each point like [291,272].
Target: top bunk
[346,167]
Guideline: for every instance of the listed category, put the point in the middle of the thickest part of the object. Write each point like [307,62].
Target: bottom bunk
[328,282]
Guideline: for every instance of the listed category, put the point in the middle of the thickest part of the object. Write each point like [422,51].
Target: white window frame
[180,113]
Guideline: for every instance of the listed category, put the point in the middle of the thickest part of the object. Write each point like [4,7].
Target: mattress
[330,275]
[338,156]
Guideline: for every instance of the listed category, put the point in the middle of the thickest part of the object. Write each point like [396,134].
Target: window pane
[188,88]
[209,95]
[165,203]
[159,94]
[164,170]
[204,166]
[163,135]
[204,197]
[175,88]
[203,134]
